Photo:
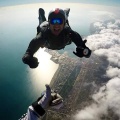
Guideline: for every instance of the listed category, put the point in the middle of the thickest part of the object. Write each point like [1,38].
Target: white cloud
[102,15]
[113,72]
[106,42]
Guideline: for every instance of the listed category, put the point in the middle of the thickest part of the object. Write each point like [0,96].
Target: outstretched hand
[50,99]
[30,60]
[83,51]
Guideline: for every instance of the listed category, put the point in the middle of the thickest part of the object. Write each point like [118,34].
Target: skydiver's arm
[35,44]
[82,50]
[32,114]
[76,38]
[38,108]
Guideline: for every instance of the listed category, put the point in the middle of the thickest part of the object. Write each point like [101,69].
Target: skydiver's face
[56,27]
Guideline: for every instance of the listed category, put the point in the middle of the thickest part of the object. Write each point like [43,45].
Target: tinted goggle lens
[56,21]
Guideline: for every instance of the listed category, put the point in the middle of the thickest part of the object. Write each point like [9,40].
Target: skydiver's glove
[83,51]
[30,60]
[47,99]
[50,99]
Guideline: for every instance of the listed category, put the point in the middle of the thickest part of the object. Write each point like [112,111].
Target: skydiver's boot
[41,18]
[67,10]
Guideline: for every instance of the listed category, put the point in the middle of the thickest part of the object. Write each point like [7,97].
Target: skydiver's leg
[67,10]
[41,15]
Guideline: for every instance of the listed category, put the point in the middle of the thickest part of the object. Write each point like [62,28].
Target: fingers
[74,53]
[31,61]
[56,101]
[85,41]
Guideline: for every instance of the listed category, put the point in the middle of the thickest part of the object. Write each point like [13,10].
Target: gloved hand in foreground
[83,51]
[50,99]
[30,60]
[47,100]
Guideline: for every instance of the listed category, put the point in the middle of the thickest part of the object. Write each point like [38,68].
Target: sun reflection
[44,72]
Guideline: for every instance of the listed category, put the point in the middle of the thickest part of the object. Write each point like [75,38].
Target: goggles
[54,21]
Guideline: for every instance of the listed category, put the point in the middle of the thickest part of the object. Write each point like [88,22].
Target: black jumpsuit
[45,38]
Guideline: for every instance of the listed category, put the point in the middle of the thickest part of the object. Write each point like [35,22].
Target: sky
[100,2]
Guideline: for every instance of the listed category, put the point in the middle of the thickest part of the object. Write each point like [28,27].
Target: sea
[19,84]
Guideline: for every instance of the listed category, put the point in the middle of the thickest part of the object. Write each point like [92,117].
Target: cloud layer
[105,42]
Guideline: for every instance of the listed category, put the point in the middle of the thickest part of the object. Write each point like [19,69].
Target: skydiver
[37,110]
[54,34]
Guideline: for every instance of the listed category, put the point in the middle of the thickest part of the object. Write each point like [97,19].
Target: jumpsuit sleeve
[77,39]
[31,115]
[35,44]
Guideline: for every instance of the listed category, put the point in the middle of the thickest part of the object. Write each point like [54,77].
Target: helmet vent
[56,11]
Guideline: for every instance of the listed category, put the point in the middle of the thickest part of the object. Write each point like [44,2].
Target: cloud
[106,102]
[113,72]
[102,15]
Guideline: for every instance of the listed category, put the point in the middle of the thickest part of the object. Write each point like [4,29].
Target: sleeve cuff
[38,108]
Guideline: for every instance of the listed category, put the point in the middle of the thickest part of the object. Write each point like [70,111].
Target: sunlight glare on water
[45,71]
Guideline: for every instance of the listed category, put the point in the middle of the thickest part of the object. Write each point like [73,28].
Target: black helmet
[57,13]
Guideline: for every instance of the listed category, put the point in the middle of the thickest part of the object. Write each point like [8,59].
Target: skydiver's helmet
[56,13]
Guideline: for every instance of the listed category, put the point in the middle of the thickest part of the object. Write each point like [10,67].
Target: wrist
[38,108]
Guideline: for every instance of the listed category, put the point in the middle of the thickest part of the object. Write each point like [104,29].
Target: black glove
[83,51]
[30,60]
